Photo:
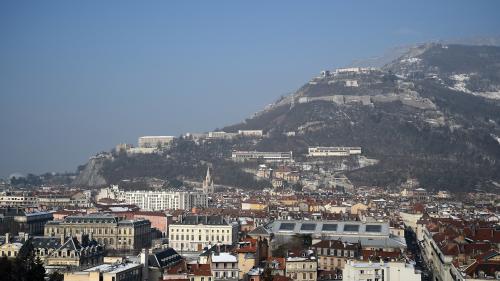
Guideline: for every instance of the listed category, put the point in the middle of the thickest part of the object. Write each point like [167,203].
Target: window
[329,227]
[351,227]
[373,228]
[287,226]
[308,226]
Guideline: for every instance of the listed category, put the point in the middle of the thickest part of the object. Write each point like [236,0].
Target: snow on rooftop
[223,257]
[119,209]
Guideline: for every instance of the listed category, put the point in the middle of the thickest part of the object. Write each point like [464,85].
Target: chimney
[26,236]
[63,239]
[7,238]
[144,257]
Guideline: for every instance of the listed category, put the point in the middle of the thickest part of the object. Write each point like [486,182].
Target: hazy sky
[78,77]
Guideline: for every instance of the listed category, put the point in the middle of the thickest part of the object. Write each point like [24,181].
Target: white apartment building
[266,156]
[194,233]
[251,133]
[323,151]
[154,141]
[224,266]
[163,200]
[379,271]
[221,135]
[18,200]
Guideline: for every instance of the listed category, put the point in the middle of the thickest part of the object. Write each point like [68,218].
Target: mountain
[432,114]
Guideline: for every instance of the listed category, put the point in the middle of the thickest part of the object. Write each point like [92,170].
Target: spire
[208,183]
[208,178]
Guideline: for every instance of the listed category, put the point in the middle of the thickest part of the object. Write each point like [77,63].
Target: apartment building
[224,266]
[194,233]
[302,268]
[322,151]
[333,254]
[18,200]
[380,271]
[251,133]
[164,200]
[265,156]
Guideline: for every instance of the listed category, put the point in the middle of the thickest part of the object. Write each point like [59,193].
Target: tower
[208,183]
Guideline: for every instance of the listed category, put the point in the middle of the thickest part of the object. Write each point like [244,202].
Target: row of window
[88,230]
[225,274]
[207,237]
[300,266]
[199,230]
[304,276]
[334,252]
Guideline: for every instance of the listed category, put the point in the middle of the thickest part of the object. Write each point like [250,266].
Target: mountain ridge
[414,115]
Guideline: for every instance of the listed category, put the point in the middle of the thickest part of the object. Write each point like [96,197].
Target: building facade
[15,220]
[301,268]
[194,233]
[164,200]
[108,272]
[265,156]
[154,141]
[224,266]
[18,200]
[321,151]
[391,271]
[333,254]
[113,232]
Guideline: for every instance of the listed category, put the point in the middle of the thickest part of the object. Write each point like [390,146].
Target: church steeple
[208,183]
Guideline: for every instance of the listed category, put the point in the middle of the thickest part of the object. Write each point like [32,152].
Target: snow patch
[495,137]
[411,60]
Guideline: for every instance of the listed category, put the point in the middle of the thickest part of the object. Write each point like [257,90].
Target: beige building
[333,254]
[155,141]
[358,208]
[253,205]
[10,248]
[251,133]
[194,233]
[57,253]
[113,232]
[301,268]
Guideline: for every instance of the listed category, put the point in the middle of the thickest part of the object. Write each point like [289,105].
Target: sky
[79,77]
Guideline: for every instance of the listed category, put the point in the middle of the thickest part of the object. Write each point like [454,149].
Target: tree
[56,276]
[27,267]
[6,269]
